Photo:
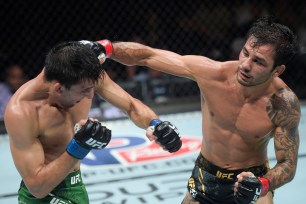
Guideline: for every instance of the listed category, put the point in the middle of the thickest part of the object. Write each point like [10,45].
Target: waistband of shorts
[73,179]
[209,167]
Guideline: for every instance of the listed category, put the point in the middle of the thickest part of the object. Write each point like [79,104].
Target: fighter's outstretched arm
[142,115]
[131,53]
[137,111]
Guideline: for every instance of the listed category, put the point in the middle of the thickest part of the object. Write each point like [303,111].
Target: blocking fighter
[49,129]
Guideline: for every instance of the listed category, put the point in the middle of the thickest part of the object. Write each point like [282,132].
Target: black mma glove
[91,135]
[103,48]
[250,189]
[167,135]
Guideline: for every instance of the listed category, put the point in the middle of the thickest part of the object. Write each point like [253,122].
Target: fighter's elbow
[36,189]
[291,177]
[291,174]
[38,193]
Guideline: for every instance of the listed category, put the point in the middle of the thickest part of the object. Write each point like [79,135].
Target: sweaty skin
[40,119]
[244,104]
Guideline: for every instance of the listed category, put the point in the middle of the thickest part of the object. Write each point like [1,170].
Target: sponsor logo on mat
[137,149]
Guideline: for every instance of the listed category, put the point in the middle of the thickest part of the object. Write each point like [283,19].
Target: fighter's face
[70,97]
[255,63]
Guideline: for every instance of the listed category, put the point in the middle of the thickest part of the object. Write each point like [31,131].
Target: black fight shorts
[210,184]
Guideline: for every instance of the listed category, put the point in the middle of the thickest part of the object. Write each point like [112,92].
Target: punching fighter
[244,104]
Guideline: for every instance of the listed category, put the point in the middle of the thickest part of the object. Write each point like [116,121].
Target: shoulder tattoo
[284,111]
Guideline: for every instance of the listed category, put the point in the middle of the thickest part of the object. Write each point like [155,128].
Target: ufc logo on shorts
[225,175]
[193,193]
[95,143]
[57,201]
[75,179]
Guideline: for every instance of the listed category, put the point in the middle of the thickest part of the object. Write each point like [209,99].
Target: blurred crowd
[12,77]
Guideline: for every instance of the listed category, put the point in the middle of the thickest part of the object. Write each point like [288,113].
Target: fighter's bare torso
[52,126]
[236,128]
[56,129]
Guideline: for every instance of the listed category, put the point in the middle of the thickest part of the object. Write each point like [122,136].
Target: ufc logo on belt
[95,143]
[224,175]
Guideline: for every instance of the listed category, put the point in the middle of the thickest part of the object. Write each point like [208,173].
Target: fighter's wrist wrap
[103,48]
[108,46]
[154,122]
[91,135]
[76,150]
[265,185]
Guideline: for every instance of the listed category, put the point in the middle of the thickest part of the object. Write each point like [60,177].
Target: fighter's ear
[58,88]
[278,70]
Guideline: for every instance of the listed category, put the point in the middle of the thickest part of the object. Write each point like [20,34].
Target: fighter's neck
[251,93]
[35,90]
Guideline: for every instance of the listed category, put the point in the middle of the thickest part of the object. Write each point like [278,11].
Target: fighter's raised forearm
[286,152]
[130,53]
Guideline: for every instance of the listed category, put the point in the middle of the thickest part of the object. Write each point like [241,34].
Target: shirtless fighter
[244,105]
[41,116]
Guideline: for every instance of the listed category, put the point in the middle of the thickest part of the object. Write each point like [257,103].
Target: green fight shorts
[211,184]
[71,190]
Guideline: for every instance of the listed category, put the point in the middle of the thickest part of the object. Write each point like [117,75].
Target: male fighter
[244,105]
[41,116]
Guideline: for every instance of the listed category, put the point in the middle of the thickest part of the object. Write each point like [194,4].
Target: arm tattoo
[284,111]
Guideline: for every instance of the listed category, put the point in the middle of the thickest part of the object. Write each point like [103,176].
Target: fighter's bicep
[26,149]
[284,111]
[28,158]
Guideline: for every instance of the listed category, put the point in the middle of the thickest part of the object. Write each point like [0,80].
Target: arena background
[214,28]
[204,27]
